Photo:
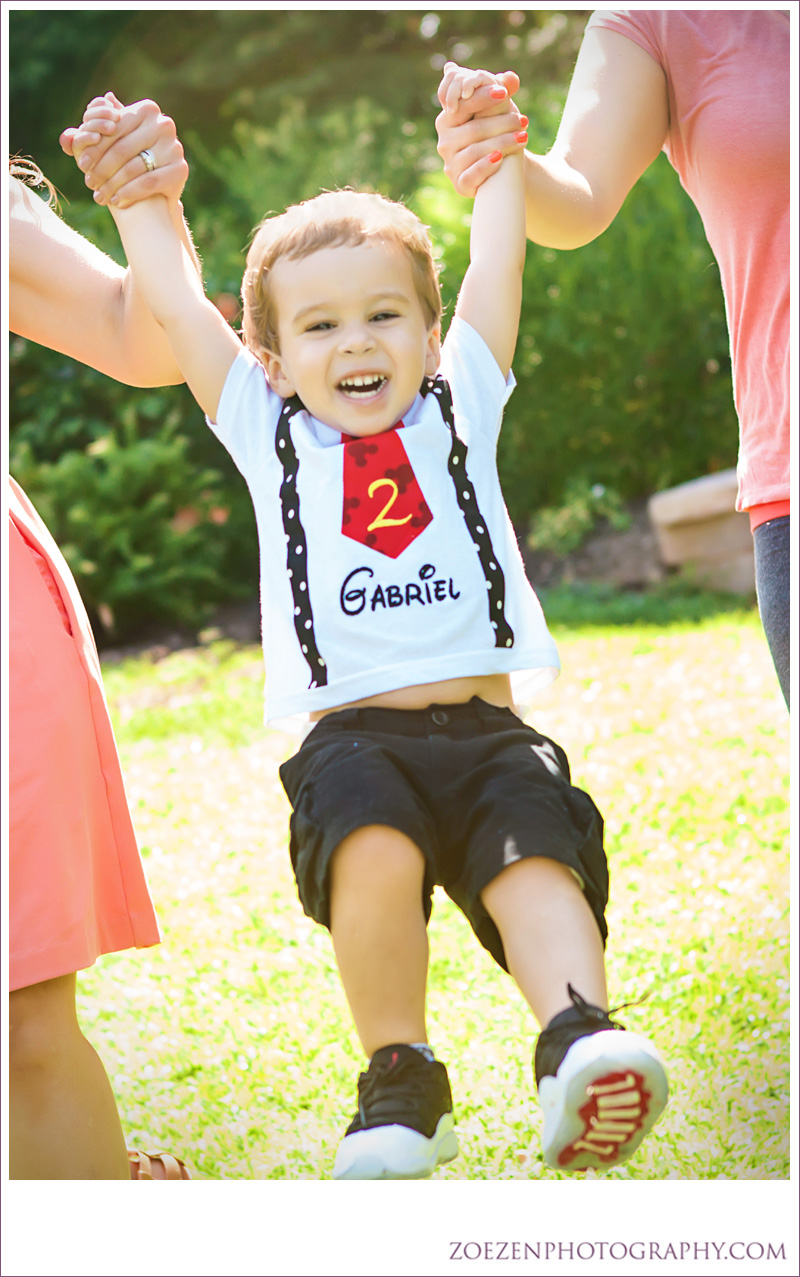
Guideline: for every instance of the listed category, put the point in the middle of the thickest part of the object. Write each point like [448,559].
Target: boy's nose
[356,338]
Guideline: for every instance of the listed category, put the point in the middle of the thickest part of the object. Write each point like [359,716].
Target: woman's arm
[64,293]
[613,127]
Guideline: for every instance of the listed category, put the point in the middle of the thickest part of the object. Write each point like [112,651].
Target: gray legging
[772,583]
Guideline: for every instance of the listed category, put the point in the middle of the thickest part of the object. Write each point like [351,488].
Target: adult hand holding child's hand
[127,153]
[478,124]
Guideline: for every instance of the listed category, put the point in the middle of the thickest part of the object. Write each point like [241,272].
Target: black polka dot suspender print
[476,524]
[296,548]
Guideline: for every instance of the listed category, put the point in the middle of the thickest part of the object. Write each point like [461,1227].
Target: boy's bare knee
[537,874]
[376,856]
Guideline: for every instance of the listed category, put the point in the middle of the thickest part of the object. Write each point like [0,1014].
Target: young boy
[396,613]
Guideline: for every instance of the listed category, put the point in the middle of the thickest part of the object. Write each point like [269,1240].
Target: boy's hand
[108,148]
[478,124]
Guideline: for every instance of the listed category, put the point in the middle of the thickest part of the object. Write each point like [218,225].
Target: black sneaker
[601,1089]
[404,1125]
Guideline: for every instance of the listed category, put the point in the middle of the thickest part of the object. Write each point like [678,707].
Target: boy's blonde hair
[334,219]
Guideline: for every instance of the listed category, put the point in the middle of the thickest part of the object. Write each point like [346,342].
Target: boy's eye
[322,326]
[385,314]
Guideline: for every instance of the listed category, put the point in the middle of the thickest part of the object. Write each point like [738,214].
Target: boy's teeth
[356,382]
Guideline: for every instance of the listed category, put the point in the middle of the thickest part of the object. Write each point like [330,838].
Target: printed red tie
[383,503]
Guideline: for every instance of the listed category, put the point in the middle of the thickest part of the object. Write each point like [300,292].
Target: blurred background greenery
[622,363]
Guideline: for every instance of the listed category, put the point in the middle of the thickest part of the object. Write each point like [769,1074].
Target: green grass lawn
[232,1043]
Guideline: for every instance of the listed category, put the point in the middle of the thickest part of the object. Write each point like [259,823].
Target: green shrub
[150,513]
[565,527]
[163,559]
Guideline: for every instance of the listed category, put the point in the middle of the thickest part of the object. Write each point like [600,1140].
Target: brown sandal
[143,1164]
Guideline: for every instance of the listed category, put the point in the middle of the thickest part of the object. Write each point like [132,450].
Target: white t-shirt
[388,561]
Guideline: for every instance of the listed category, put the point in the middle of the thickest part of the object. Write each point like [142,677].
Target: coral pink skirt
[77,886]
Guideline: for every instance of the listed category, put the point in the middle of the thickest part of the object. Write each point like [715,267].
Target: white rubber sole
[610,1091]
[395,1152]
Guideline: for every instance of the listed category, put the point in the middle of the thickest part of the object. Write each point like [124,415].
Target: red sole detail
[617,1106]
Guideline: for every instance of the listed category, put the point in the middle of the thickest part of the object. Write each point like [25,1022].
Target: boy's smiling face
[354,341]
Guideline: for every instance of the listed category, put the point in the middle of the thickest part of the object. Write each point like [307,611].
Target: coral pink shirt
[727,74]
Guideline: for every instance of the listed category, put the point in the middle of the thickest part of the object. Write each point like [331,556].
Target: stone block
[698,529]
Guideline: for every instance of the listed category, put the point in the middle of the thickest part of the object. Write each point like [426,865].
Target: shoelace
[591,1012]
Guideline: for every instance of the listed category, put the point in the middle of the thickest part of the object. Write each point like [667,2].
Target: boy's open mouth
[362,387]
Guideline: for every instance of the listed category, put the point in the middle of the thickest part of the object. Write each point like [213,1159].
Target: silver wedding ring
[149,160]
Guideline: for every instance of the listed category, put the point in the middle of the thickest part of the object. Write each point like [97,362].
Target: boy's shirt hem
[388,561]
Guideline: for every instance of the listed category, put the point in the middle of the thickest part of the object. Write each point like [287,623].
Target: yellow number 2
[382,521]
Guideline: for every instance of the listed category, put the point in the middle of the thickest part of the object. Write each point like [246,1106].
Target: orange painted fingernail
[521,137]
[523,121]
[497,92]
[495,157]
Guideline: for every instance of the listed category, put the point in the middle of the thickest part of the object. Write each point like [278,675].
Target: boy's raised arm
[203,344]
[491,294]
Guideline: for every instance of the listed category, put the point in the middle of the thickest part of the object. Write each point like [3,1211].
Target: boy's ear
[277,377]
[433,352]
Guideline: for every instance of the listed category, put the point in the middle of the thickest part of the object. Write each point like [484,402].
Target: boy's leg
[601,1090]
[404,1125]
[549,935]
[379,934]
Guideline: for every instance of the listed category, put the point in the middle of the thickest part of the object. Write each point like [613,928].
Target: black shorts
[472,785]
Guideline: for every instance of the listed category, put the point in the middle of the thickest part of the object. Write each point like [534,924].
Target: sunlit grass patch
[232,1043]
[213,692]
